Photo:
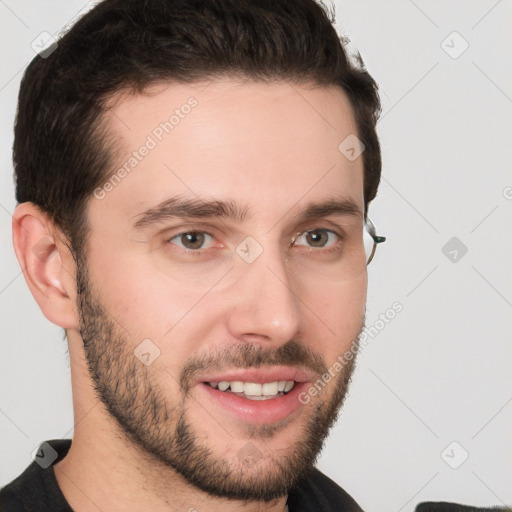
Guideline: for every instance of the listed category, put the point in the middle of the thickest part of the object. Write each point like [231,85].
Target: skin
[272,148]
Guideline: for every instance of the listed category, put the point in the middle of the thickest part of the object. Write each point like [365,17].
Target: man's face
[230,250]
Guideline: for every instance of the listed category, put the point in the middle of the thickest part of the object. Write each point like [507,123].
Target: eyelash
[194,252]
[200,252]
[331,248]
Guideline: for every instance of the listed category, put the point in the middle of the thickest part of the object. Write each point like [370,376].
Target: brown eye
[317,238]
[192,240]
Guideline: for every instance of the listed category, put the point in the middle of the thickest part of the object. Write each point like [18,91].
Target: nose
[265,304]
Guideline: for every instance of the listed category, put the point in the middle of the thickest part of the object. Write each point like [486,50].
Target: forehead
[269,145]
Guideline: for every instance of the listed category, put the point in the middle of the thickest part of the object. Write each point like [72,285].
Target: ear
[47,264]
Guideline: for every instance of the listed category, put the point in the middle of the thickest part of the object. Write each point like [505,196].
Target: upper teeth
[254,388]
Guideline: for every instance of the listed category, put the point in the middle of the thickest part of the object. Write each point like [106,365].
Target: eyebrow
[177,207]
[342,206]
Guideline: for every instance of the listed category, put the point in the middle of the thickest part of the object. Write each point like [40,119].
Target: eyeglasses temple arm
[378,239]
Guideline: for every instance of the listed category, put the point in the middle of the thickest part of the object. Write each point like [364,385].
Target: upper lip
[260,375]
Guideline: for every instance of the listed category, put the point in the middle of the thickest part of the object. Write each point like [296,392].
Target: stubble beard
[139,405]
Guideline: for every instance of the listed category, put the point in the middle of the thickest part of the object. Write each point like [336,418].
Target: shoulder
[14,495]
[317,491]
[36,488]
[442,506]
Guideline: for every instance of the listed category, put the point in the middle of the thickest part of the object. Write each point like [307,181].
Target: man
[193,181]
[193,184]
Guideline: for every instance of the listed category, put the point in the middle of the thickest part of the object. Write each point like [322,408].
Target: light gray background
[440,371]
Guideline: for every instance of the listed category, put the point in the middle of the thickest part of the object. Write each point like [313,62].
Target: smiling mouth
[255,390]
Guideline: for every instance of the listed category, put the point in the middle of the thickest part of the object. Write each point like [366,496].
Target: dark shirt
[36,489]
[442,506]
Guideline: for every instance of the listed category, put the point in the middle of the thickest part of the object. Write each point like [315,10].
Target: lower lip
[258,412]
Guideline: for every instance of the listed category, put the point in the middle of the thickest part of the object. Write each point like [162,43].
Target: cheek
[146,302]
[340,310]
[142,302]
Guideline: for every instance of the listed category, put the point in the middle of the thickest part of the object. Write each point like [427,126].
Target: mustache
[245,355]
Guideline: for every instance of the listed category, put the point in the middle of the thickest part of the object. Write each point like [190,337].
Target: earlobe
[43,259]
